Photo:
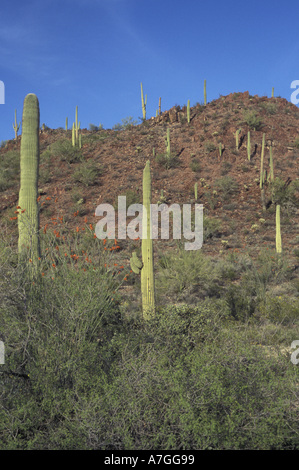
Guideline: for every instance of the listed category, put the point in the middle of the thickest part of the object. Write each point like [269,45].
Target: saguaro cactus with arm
[28,219]
[16,126]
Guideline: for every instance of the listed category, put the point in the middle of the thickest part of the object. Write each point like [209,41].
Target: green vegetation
[9,169]
[83,372]
[227,187]
[87,173]
[253,121]
[107,349]
[64,149]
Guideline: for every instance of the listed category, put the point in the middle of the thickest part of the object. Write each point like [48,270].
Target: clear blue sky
[95,53]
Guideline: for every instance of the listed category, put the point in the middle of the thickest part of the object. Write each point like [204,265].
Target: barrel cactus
[28,218]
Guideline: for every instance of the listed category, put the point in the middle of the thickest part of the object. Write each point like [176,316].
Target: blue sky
[95,53]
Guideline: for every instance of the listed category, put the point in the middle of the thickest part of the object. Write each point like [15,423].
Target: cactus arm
[135,263]
[28,221]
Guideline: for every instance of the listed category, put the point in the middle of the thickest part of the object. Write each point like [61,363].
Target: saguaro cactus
[205,92]
[188,111]
[143,102]
[147,271]
[168,142]
[28,219]
[248,146]
[16,126]
[271,165]
[278,233]
[262,175]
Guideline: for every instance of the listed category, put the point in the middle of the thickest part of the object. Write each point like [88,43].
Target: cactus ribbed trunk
[28,221]
[147,272]
[262,176]
[278,233]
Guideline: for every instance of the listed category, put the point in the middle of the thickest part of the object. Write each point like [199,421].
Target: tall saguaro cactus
[147,271]
[188,111]
[16,126]
[143,102]
[278,233]
[28,219]
[262,175]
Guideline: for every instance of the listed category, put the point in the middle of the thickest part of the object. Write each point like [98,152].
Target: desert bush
[195,165]
[210,147]
[182,271]
[127,123]
[64,149]
[167,160]
[227,186]
[9,169]
[87,173]
[285,195]
[253,121]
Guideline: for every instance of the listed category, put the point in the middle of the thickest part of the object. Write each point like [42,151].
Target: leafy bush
[167,160]
[283,194]
[127,123]
[227,186]
[195,165]
[210,147]
[253,121]
[184,271]
[65,150]
[9,169]
[87,173]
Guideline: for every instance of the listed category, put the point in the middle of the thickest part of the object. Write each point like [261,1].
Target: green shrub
[210,147]
[184,271]
[227,186]
[9,169]
[167,160]
[253,121]
[195,165]
[284,195]
[87,173]
[127,123]
[65,150]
